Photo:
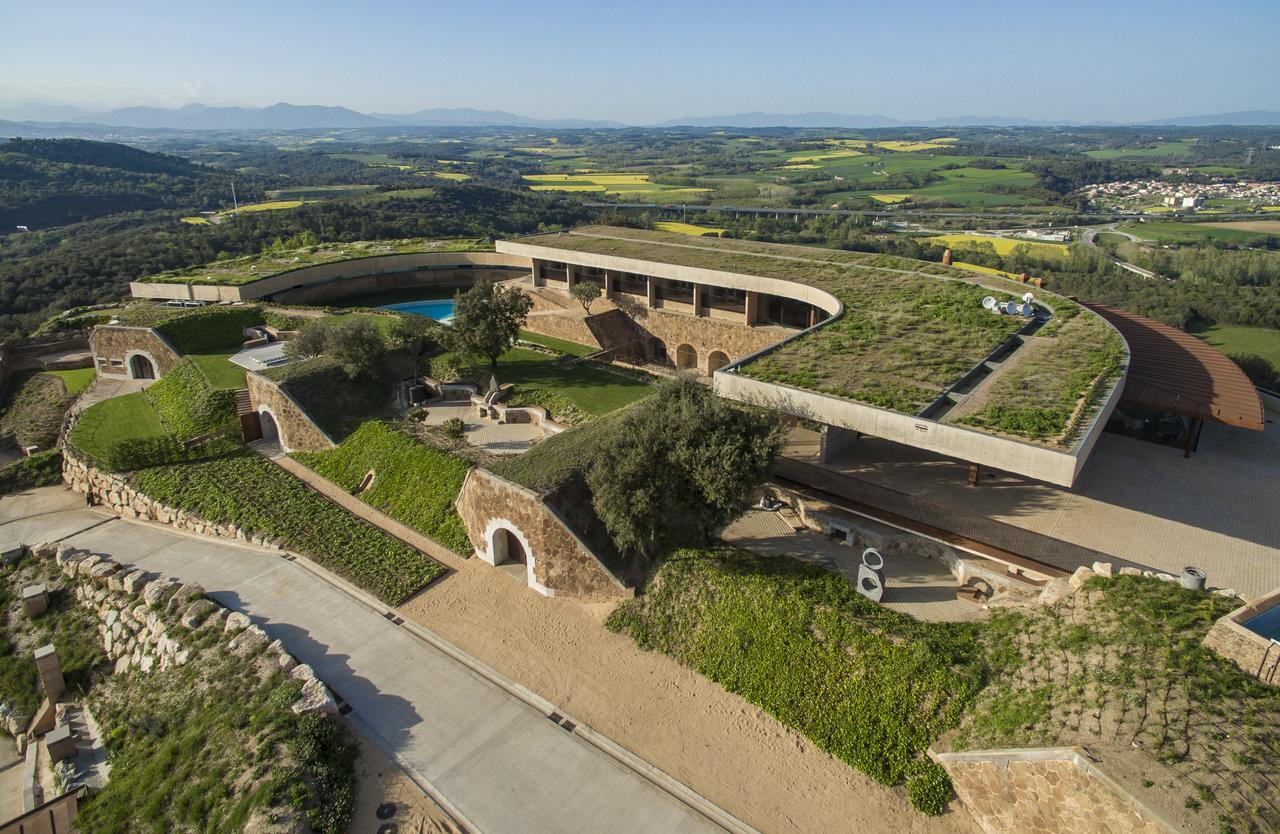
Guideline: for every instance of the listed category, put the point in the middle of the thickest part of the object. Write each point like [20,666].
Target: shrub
[415,484]
[455,429]
[246,491]
[445,368]
[187,405]
[562,409]
[929,787]
[34,414]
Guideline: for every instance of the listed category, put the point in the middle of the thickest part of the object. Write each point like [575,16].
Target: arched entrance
[686,357]
[270,429]
[506,547]
[717,360]
[140,367]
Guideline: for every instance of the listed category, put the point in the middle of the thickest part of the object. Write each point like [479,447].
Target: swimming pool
[440,309]
[1266,624]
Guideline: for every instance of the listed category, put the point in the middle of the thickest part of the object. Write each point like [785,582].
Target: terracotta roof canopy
[1173,371]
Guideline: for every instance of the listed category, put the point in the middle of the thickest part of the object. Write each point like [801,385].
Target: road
[1090,237]
[498,761]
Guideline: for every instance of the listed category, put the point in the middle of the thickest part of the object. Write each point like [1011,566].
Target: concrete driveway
[498,761]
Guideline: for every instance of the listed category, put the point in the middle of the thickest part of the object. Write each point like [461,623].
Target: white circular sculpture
[871,575]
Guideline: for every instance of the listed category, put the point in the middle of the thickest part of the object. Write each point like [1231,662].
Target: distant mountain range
[285,116]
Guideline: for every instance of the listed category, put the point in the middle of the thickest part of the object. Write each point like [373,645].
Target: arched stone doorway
[686,357]
[717,360]
[270,428]
[141,367]
[506,547]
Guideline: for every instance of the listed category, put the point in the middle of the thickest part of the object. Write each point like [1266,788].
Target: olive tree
[356,345]
[586,293]
[486,320]
[681,465]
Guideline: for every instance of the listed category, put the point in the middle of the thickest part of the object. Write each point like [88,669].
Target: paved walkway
[498,761]
[915,585]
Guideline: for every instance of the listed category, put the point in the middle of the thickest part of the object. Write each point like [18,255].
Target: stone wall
[560,564]
[1045,791]
[112,345]
[297,430]
[114,493]
[337,289]
[612,326]
[1249,650]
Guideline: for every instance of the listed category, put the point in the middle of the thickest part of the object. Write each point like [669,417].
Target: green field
[571,348]
[220,372]
[1242,341]
[1002,245]
[1156,150]
[592,389]
[1193,232]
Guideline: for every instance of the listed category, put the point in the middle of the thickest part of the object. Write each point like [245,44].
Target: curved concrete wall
[413,268]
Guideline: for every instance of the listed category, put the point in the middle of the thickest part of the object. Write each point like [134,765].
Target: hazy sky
[653,60]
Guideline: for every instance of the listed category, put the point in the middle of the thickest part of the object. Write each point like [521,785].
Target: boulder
[158,591]
[1229,593]
[134,582]
[236,622]
[1127,571]
[1102,568]
[66,553]
[246,641]
[196,612]
[181,657]
[1081,576]
[102,571]
[1054,591]
[217,620]
[112,617]
[88,563]
[147,663]
[185,594]
[302,672]
[122,664]
[315,697]
[48,550]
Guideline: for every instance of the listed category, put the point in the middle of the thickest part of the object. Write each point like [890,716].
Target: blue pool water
[440,310]
[1267,623]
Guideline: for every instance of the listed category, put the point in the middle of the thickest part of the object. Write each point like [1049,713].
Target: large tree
[486,320]
[356,345]
[681,465]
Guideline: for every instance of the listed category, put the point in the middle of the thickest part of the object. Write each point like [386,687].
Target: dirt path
[716,743]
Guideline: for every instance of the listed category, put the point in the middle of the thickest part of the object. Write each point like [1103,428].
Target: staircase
[243,405]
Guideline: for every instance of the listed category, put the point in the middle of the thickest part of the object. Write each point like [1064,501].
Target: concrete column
[36,600]
[538,280]
[699,299]
[610,282]
[652,291]
[60,743]
[50,671]
[571,275]
[836,441]
[813,316]
[753,307]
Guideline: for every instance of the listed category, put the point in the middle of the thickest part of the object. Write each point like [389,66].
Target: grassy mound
[106,428]
[40,469]
[873,687]
[187,405]
[35,410]
[249,492]
[414,483]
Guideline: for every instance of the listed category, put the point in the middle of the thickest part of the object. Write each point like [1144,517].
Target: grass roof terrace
[236,272]
[908,331]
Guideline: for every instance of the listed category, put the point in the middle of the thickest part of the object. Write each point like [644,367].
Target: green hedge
[872,687]
[41,469]
[244,490]
[187,405]
[414,483]
[208,329]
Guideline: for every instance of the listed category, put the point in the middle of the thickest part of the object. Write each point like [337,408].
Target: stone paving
[489,435]
[915,585]
[1135,500]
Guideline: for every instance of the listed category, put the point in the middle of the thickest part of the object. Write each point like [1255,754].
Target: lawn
[456,176]
[110,422]
[1242,341]
[269,205]
[76,380]
[252,493]
[1156,150]
[592,389]
[217,368]
[413,483]
[571,348]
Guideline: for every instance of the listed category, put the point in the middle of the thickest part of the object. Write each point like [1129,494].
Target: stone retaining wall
[1253,653]
[116,494]
[1045,791]
[298,432]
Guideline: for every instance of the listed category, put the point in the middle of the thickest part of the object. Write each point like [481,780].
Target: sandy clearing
[715,742]
[381,785]
[1271,227]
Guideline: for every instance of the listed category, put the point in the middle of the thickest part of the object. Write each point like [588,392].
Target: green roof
[240,271]
[909,330]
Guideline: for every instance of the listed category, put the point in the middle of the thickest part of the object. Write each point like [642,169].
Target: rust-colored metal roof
[1173,371]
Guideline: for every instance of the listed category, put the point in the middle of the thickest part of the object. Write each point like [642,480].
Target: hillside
[52,182]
